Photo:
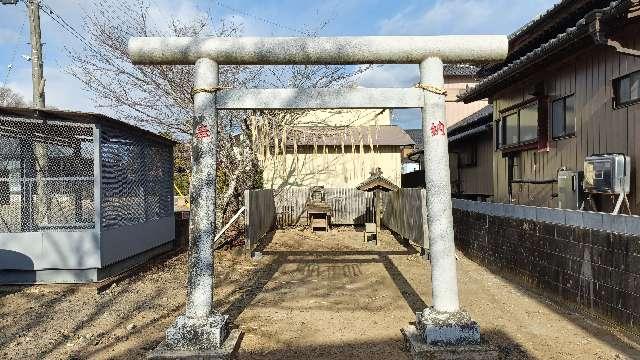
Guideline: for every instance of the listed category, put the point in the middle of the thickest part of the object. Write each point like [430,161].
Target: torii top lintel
[347,50]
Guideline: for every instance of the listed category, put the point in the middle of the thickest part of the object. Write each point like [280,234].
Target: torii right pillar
[444,327]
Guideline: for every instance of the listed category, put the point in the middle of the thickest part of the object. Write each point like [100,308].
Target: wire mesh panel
[136,178]
[46,175]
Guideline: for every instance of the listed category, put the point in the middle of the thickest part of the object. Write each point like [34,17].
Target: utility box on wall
[570,191]
[607,174]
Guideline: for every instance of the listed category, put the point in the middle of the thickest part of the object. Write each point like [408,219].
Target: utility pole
[32,216]
[33,8]
[43,200]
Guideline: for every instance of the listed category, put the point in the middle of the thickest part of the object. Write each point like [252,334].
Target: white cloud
[161,13]
[464,17]
[402,76]
[8,36]
[447,17]
[61,89]
[390,76]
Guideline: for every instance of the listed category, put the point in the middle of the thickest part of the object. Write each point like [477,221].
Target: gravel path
[309,297]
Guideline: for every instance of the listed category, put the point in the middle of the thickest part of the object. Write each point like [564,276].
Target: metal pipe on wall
[444,283]
[318,50]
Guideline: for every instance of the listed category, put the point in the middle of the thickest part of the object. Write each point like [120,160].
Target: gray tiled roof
[382,135]
[416,136]
[460,70]
[480,117]
[524,28]
[579,31]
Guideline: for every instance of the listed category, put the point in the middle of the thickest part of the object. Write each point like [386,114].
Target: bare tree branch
[10,98]
[159,97]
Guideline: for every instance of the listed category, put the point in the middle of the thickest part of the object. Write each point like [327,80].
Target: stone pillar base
[447,329]
[198,338]
[418,348]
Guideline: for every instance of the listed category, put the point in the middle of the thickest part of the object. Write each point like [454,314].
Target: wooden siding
[473,180]
[599,127]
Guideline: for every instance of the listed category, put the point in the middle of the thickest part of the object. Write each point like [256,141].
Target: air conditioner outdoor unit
[607,174]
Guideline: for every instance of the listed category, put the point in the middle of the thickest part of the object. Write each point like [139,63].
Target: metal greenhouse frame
[82,196]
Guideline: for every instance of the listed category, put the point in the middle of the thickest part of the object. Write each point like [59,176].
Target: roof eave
[476,119]
[584,30]
[80,116]
[489,88]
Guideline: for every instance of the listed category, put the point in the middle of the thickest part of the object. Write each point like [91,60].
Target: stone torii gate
[202,331]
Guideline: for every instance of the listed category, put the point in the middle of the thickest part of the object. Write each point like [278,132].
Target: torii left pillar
[201,332]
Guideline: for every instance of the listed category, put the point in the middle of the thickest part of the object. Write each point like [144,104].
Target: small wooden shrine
[377,184]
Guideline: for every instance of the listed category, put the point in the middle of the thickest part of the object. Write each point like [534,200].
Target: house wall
[473,180]
[454,110]
[344,117]
[330,167]
[599,127]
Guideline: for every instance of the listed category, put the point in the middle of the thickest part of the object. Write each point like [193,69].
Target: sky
[263,18]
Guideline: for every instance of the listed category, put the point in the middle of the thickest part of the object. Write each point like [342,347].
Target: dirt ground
[310,296]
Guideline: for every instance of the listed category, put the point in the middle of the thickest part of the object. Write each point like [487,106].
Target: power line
[266,21]
[13,55]
[60,21]
[65,25]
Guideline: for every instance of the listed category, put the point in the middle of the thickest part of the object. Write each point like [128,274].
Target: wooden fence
[350,206]
[404,214]
[259,215]
[404,210]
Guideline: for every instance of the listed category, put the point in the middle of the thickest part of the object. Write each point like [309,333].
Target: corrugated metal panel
[350,206]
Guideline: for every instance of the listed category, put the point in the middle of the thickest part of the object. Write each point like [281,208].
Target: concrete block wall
[583,259]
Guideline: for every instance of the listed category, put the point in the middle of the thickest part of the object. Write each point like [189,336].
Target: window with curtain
[563,117]
[519,127]
[511,129]
[627,89]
